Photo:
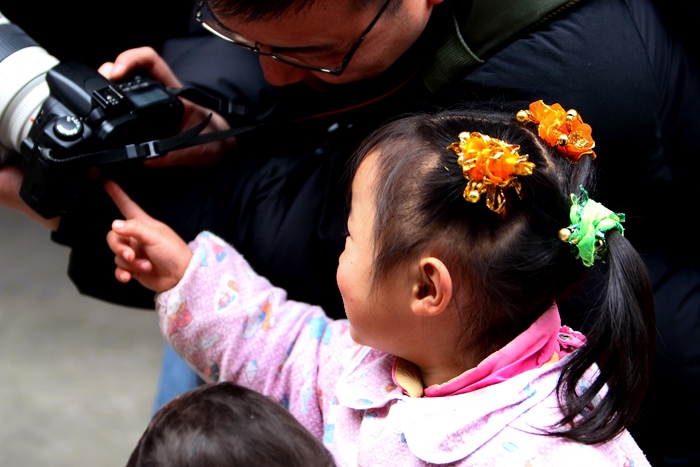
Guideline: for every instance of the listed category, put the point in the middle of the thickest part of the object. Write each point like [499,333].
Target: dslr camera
[61,119]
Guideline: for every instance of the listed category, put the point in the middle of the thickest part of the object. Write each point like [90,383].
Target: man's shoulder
[476,33]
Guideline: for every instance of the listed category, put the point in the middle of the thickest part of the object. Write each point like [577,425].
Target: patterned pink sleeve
[231,324]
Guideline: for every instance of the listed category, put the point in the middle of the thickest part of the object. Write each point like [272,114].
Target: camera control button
[68,128]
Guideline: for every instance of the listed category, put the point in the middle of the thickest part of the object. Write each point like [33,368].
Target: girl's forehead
[366,174]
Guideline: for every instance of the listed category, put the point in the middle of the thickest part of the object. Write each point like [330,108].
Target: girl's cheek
[340,278]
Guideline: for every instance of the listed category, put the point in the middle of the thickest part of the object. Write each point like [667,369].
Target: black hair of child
[508,269]
[224,424]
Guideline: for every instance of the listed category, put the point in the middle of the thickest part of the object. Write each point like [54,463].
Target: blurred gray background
[77,376]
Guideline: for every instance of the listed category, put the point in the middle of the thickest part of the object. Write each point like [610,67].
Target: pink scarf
[545,341]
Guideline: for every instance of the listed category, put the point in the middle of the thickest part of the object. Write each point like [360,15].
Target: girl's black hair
[509,269]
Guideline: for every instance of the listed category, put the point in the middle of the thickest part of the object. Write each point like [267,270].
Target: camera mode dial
[68,128]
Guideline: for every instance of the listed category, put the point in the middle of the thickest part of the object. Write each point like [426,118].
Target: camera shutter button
[68,128]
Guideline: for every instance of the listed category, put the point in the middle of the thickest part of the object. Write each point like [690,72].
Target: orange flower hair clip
[490,166]
[562,129]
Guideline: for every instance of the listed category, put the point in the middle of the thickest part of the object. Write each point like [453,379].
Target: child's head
[506,268]
[226,424]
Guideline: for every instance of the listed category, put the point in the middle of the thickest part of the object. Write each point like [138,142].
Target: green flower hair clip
[590,221]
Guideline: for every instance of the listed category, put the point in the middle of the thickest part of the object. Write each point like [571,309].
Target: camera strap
[156,148]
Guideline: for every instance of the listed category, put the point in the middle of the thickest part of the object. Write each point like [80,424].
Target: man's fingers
[146,59]
[130,60]
[202,155]
[10,182]
[106,69]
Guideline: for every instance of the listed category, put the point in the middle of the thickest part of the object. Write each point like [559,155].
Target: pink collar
[546,340]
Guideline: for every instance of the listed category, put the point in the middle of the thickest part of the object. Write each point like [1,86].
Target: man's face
[325,32]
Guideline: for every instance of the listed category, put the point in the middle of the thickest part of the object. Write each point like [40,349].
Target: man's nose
[280,74]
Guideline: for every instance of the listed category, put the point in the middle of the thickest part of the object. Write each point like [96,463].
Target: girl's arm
[231,324]
[227,322]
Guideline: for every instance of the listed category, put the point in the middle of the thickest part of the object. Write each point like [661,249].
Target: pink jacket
[232,325]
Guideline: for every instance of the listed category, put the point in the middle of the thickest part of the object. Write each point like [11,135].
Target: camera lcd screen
[146,96]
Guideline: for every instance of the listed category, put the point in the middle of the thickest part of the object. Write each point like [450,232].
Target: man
[333,70]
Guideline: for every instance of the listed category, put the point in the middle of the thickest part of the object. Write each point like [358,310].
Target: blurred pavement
[77,376]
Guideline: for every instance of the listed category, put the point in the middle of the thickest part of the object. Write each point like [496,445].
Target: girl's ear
[432,293]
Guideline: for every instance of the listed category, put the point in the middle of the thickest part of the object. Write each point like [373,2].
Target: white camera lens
[23,88]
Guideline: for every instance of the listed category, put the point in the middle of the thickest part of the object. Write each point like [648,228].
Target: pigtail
[620,340]
[621,343]
[620,347]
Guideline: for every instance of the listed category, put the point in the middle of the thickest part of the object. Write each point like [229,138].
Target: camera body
[84,114]
[55,116]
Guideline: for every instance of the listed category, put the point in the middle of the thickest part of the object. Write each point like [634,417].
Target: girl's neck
[440,359]
[441,374]
[441,370]
[414,380]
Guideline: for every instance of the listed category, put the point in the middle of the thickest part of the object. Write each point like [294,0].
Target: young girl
[465,230]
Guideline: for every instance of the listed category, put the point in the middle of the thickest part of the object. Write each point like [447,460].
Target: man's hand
[10,183]
[203,155]
[146,250]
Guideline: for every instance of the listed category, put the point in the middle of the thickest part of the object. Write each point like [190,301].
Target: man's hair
[226,424]
[264,10]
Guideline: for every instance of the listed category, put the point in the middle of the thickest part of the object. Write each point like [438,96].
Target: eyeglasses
[209,22]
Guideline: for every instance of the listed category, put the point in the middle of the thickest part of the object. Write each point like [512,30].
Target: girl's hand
[146,250]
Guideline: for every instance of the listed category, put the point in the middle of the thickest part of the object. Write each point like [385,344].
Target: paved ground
[77,376]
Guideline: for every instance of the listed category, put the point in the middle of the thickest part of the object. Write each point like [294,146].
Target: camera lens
[23,88]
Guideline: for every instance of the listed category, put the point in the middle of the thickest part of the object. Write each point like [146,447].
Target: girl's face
[377,321]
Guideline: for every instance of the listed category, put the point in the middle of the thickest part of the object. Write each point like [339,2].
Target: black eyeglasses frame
[222,34]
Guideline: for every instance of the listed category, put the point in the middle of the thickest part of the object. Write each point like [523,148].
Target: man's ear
[432,293]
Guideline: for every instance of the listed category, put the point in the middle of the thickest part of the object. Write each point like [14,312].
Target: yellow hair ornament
[490,166]
[560,128]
